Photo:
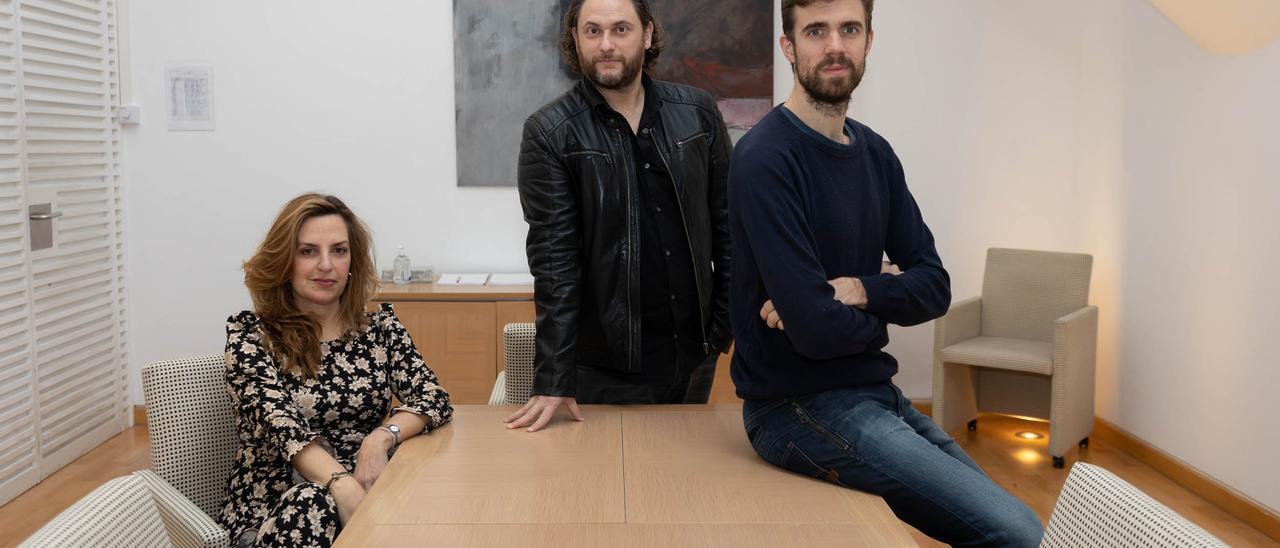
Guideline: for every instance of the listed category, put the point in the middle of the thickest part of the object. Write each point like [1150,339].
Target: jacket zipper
[607,158]
[632,340]
[702,321]
[680,143]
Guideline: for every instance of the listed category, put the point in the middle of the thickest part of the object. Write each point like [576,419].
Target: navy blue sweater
[804,209]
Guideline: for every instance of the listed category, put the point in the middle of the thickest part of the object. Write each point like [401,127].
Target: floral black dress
[279,413]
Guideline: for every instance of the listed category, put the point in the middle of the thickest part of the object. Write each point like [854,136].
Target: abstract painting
[507,65]
[724,47]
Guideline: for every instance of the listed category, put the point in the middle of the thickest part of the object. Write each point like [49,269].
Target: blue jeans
[870,438]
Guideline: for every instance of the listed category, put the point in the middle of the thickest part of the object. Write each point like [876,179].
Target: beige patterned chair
[191,424]
[1025,347]
[1096,508]
[138,510]
[515,382]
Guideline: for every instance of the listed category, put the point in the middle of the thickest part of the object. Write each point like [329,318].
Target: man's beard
[630,71]
[831,94]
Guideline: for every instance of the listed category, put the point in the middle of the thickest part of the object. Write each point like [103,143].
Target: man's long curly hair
[569,47]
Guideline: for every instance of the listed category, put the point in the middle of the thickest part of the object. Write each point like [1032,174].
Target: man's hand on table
[540,410]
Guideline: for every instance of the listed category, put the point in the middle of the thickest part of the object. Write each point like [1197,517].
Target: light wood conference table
[627,476]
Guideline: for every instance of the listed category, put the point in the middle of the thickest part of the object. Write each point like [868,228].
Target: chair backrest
[518,343]
[1096,508]
[120,512]
[192,427]
[1024,291]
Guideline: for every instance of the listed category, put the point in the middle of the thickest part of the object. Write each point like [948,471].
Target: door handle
[45,216]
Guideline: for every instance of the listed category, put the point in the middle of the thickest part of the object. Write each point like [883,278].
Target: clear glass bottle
[402,270]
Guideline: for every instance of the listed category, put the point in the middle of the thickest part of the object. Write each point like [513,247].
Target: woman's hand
[348,494]
[372,458]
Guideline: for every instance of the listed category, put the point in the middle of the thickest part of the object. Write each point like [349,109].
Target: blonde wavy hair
[292,336]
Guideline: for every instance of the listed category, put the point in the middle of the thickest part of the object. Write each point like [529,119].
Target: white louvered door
[68,157]
[18,451]
[67,97]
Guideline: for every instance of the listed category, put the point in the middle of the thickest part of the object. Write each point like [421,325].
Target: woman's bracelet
[334,477]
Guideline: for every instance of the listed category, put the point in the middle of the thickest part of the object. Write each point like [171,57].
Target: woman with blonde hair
[312,375]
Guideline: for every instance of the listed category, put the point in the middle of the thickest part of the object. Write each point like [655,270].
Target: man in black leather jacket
[622,180]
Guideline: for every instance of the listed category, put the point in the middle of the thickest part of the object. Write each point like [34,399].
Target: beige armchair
[1025,347]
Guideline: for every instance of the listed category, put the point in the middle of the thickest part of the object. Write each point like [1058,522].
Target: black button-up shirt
[669,317]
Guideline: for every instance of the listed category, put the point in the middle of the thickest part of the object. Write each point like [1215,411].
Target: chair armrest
[498,396]
[1075,344]
[962,321]
[188,526]
[1079,315]
[1099,506]
[1075,334]
[1071,414]
[118,513]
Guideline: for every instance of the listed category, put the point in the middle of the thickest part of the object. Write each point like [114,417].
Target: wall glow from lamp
[1225,26]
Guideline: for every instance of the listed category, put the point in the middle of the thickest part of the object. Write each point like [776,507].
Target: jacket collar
[651,100]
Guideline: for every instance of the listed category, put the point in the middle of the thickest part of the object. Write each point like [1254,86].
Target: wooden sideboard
[458,330]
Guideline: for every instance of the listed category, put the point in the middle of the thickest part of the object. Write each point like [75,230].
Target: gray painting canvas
[506,66]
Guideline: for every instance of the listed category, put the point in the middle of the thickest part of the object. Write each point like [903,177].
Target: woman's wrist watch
[394,431]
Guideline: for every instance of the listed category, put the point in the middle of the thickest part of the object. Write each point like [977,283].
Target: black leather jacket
[578,188]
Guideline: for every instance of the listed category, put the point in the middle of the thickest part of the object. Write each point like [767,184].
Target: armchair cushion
[1002,353]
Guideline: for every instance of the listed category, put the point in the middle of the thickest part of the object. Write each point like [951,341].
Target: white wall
[351,100]
[990,106]
[1197,371]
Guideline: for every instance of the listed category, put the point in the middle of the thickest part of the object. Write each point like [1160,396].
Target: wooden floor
[1021,466]
[1025,469]
[120,455]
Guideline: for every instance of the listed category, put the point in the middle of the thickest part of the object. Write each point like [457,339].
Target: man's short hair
[789,14]
[569,48]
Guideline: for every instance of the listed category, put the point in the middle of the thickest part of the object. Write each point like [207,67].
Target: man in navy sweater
[815,202]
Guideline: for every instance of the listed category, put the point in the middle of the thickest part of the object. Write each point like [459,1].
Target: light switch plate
[129,115]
